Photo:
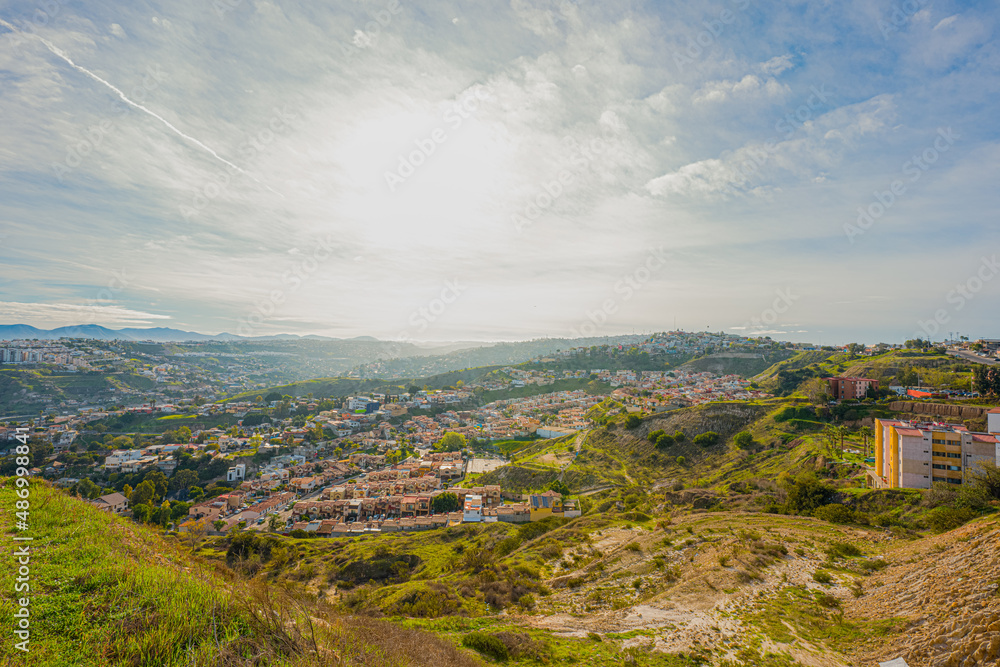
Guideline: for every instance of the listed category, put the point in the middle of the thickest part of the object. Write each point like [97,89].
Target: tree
[127,491]
[632,421]
[164,515]
[451,442]
[743,440]
[196,493]
[123,442]
[219,524]
[195,532]
[274,523]
[445,502]
[560,487]
[665,440]
[142,512]
[87,489]
[159,481]
[653,435]
[143,494]
[865,433]
[183,480]
[806,493]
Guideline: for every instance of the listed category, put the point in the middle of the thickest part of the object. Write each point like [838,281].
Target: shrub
[822,577]
[872,565]
[521,646]
[743,440]
[681,460]
[632,421]
[706,439]
[665,440]
[834,513]
[842,550]
[506,546]
[486,644]
[941,519]
[679,436]
[633,546]
[653,435]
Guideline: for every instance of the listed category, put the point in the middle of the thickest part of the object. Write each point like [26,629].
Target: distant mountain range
[158,334]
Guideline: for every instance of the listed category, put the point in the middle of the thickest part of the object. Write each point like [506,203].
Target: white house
[236,473]
[116,458]
[473,511]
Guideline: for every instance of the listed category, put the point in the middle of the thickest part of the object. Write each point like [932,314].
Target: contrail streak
[56,51]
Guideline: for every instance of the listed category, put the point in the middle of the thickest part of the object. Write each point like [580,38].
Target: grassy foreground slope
[106,592]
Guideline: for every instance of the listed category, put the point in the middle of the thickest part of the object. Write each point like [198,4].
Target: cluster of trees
[986,380]
[451,442]
[663,440]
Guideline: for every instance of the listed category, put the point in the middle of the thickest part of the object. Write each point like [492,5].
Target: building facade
[912,455]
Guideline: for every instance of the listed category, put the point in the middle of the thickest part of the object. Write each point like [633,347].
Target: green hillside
[794,375]
[108,593]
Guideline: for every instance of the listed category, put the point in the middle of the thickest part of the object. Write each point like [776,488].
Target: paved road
[971,356]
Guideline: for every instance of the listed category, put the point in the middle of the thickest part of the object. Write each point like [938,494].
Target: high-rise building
[913,455]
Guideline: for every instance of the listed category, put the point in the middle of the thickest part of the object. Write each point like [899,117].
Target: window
[939,441]
[956,468]
[940,466]
[940,479]
[954,481]
[953,455]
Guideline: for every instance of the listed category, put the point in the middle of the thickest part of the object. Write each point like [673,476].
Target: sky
[822,171]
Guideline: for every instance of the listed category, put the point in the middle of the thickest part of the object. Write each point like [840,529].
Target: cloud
[64,314]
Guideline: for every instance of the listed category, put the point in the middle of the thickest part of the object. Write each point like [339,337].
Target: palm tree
[866,432]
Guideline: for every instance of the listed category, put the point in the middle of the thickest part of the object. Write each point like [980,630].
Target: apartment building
[841,388]
[914,455]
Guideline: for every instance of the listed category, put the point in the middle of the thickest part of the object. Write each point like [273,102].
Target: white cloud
[64,314]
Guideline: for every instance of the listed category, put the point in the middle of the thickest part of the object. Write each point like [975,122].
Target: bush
[486,644]
[653,435]
[822,577]
[834,513]
[681,460]
[679,436]
[743,440]
[706,439]
[664,440]
[842,550]
[632,421]
[941,519]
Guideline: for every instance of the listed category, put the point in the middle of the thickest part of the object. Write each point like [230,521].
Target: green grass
[108,593]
